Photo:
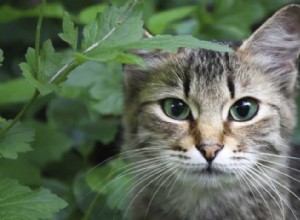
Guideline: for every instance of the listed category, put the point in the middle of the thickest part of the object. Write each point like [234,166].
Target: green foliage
[19,91]
[70,33]
[16,140]
[9,13]
[71,85]
[20,202]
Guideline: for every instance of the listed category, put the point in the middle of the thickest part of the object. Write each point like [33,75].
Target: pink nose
[210,151]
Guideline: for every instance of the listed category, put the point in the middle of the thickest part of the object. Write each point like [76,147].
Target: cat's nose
[209,151]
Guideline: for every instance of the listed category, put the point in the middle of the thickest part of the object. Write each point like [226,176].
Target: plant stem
[37,71]
[21,113]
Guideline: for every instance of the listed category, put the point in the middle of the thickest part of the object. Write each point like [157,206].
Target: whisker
[274,155]
[271,180]
[163,170]
[282,165]
[156,191]
[237,173]
[246,177]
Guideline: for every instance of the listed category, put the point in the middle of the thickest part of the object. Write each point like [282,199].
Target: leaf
[20,202]
[104,83]
[15,140]
[90,13]
[15,91]
[93,204]
[50,63]
[70,33]
[22,170]
[9,13]
[172,43]
[49,145]
[115,26]
[160,21]
[109,181]
[1,57]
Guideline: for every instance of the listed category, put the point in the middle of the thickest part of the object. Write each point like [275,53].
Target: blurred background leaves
[80,126]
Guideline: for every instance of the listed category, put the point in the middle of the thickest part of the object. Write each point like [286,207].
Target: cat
[209,131]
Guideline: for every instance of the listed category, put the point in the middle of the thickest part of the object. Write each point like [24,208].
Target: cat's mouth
[209,171]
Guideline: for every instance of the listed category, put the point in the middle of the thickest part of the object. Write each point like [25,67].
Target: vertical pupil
[243,108]
[177,108]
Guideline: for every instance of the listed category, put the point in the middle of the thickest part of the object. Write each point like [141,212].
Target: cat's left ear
[275,46]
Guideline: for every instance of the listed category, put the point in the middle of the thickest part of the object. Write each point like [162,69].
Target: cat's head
[212,115]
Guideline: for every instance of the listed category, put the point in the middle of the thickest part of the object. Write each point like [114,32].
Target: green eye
[176,108]
[244,109]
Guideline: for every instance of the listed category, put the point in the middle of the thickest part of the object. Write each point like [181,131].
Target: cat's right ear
[275,46]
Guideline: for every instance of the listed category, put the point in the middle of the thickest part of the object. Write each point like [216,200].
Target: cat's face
[214,118]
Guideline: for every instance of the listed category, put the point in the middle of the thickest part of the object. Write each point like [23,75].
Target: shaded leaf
[22,170]
[20,202]
[1,57]
[160,21]
[15,91]
[16,140]
[109,181]
[9,13]
[49,145]
[90,13]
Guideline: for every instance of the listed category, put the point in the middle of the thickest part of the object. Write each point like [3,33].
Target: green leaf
[90,13]
[50,64]
[160,21]
[70,33]
[9,13]
[15,140]
[20,169]
[115,26]
[20,202]
[1,57]
[172,43]
[49,145]
[109,181]
[104,83]
[15,91]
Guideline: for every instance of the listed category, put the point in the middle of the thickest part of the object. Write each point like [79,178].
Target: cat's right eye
[176,109]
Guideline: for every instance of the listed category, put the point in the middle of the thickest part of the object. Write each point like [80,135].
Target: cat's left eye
[244,109]
[176,109]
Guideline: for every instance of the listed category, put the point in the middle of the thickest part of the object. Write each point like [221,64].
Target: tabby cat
[209,131]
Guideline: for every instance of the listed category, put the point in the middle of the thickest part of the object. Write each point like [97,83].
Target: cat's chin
[211,178]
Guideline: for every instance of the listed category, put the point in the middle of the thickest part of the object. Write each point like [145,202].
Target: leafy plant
[70,88]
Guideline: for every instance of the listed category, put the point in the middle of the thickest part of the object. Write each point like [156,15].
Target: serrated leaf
[160,21]
[50,63]
[1,57]
[20,202]
[70,32]
[115,26]
[16,140]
